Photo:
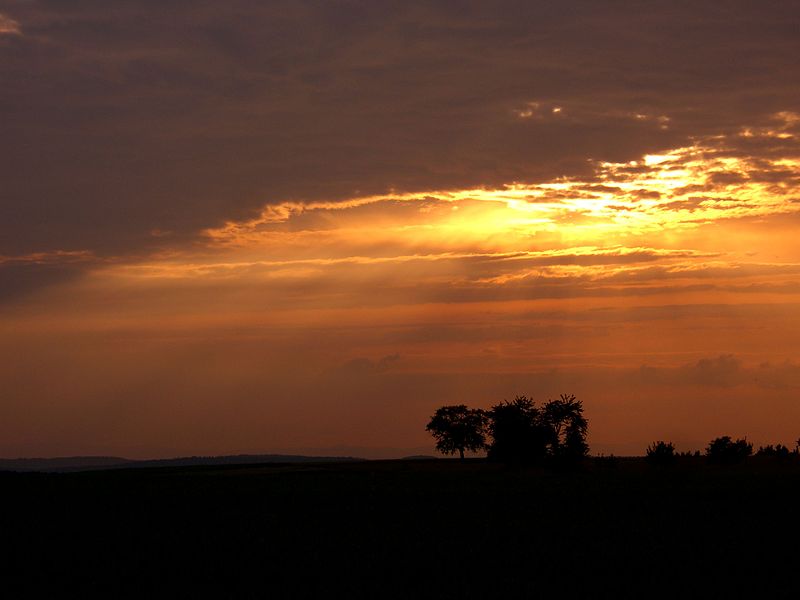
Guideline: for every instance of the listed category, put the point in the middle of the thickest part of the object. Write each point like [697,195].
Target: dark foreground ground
[413,529]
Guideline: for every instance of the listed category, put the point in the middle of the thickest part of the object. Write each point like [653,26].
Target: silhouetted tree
[458,428]
[661,453]
[523,433]
[723,450]
[768,450]
[518,432]
[568,427]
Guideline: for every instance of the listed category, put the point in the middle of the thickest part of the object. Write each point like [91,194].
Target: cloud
[18,280]
[725,371]
[9,26]
[181,118]
[678,189]
[364,366]
[48,258]
[24,274]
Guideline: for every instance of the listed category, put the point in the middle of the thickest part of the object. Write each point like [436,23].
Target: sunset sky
[265,226]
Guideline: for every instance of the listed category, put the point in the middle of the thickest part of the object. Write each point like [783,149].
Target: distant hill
[420,457]
[90,463]
[64,463]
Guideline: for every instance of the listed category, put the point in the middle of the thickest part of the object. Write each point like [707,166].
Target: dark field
[405,529]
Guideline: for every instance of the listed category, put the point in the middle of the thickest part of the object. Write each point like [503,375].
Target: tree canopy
[515,431]
[568,427]
[458,428]
[723,450]
[518,432]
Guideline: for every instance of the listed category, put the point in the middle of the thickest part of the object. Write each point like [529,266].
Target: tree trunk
[461,453]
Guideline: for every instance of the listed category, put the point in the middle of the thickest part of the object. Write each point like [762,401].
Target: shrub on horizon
[660,453]
[777,451]
[724,451]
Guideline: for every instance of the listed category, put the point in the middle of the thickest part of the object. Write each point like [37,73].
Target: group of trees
[515,432]
[722,451]
[519,432]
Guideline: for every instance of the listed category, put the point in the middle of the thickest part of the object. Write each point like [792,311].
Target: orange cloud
[9,26]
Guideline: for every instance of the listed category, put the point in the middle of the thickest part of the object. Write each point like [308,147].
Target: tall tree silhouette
[458,428]
[568,427]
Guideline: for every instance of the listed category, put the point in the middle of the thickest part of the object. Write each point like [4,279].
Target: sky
[266,226]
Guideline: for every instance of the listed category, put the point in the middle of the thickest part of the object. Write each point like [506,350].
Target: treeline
[516,432]
[722,451]
[519,432]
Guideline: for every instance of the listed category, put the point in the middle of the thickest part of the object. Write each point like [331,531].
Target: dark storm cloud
[125,119]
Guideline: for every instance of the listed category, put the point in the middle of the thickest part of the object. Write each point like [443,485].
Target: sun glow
[669,224]
[677,190]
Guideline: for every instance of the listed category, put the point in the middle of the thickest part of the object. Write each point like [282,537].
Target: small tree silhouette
[661,453]
[723,450]
[458,428]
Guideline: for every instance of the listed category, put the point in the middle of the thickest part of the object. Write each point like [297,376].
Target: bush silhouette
[661,453]
[724,451]
[458,428]
[777,451]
